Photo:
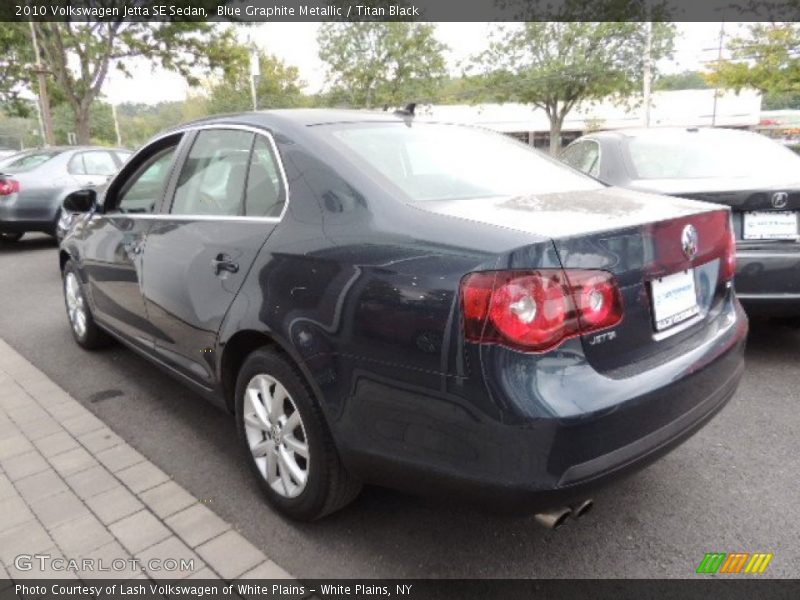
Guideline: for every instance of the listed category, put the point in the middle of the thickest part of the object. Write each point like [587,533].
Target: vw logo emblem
[689,241]
[780,199]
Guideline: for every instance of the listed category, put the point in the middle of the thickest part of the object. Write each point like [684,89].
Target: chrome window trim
[198,128]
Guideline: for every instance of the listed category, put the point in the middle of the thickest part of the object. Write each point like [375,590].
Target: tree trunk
[555,133]
[82,129]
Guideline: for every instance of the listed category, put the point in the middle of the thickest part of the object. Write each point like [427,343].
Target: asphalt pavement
[733,487]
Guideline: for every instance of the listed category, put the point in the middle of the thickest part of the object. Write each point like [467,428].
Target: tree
[98,46]
[372,64]
[556,65]
[16,60]
[279,86]
[687,80]
[766,58]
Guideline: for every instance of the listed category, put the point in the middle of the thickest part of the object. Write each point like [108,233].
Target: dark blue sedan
[429,307]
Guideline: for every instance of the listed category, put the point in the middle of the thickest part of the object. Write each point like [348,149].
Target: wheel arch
[239,346]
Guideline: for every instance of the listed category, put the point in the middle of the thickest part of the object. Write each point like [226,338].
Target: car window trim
[192,132]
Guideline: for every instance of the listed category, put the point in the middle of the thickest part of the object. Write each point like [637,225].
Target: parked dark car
[34,184]
[754,175]
[424,306]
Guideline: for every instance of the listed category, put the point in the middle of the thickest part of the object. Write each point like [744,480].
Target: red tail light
[8,187]
[727,267]
[535,311]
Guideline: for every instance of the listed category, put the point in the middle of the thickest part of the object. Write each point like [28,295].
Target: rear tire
[11,237]
[286,440]
[84,329]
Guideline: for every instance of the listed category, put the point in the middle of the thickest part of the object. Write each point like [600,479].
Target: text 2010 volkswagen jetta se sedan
[424,306]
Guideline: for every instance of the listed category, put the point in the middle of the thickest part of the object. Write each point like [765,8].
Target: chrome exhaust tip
[553,519]
[580,509]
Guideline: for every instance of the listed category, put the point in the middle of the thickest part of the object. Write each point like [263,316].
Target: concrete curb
[71,488]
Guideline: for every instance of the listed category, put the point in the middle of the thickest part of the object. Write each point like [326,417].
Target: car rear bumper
[579,429]
[768,279]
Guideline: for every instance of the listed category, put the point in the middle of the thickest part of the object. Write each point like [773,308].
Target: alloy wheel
[276,436]
[76,306]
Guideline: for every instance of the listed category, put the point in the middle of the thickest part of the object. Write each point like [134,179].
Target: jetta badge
[689,241]
[780,199]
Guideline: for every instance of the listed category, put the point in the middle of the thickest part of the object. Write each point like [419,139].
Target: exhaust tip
[553,519]
[582,508]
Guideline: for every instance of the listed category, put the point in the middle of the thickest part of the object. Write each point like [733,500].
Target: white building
[682,108]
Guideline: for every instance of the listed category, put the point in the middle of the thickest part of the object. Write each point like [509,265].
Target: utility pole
[44,102]
[648,70]
[719,61]
[116,123]
[255,71]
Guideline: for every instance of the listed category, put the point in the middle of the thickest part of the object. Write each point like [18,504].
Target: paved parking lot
[733,487]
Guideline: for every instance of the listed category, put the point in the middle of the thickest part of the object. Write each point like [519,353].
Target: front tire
[84,329]
[286,440]
[11,237]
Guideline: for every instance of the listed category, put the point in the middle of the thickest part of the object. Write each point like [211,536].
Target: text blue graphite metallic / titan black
[424,306]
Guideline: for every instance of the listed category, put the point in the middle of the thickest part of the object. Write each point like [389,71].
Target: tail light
[535,311]
[8,187]
[727,267]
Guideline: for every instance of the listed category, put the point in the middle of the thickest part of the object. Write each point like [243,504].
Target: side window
[99,163]
[583,157]
[265,195]
[212,179]
[142,191]
[123,156]
[76,165]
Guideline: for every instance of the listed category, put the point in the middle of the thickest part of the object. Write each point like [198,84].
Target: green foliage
[688,80]
[177,46]
[16,60]
[555,65]
[781,100]
[278,86]
[370,64]
[765,58]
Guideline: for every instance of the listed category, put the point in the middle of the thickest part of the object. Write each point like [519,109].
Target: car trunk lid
[637,237]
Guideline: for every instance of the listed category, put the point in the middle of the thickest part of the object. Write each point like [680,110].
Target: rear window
[710,155]
[30,161]
[445,162]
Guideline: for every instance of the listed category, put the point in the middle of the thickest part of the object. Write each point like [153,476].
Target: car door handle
[223,262]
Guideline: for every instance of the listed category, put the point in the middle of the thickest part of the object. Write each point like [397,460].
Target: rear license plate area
[770,225]
[674,299]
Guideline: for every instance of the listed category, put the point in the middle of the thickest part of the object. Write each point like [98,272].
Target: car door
[115,238]
[223,205]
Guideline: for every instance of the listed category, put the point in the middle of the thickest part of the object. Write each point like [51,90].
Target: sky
[295,43]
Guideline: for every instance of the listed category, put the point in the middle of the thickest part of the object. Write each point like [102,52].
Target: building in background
[681,108]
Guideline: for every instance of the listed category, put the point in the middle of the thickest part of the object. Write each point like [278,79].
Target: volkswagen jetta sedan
[424,306]
[755,176]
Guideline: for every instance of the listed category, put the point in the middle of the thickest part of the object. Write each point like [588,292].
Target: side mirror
[81,201]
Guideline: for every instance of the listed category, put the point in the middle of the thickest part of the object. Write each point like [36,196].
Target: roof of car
[299,117]
[667,132]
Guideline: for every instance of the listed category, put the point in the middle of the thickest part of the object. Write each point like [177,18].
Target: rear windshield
[697,155]
[447,162]
[30,161]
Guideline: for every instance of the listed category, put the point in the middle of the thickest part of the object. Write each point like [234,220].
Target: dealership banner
[399,10]
[412,589]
